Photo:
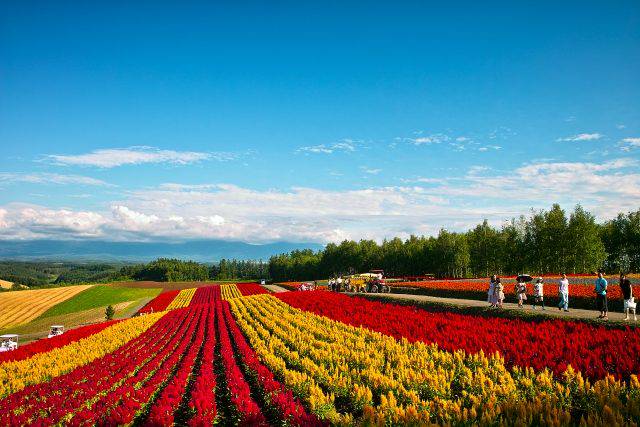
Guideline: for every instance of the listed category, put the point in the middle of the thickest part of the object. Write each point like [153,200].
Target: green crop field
[100,296]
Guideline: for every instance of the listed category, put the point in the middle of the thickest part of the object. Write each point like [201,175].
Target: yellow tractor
[372,282]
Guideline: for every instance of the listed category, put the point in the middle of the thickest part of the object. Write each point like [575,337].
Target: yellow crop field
[23,306]
[4,284]
[230,291]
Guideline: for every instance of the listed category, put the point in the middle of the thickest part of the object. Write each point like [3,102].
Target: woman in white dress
[521,293]
[498,292]
[490,298]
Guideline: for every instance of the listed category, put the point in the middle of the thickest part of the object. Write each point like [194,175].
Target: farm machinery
[55,331]
[8,342]
[372,282]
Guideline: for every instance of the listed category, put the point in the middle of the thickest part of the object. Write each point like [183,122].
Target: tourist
[338,284]
[601,296]
[563,293]
[498,292]
[492,284]
[521,292]
[538,293]
[627,295]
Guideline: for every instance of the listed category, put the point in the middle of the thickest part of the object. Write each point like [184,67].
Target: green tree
[109,312]
[585,248]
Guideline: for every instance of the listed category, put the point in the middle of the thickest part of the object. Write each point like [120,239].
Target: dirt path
[550,311]
[275,288]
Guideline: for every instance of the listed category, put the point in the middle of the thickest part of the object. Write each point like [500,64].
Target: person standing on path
[492,285]
[563,293]
[498,292]
[627,295]
[601,296]
[521,292]
[538,293]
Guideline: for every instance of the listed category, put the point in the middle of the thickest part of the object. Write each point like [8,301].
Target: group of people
[496,294]
[336,284]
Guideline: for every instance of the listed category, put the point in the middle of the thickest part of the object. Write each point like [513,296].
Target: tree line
[175,270]
[43,274]
[547,241]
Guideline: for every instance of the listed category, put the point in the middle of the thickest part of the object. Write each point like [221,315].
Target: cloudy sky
[312,123]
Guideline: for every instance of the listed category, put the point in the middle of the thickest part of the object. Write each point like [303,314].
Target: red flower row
[576,290]
[594,350]
[247,289]
[122,405]
[48,344]
[247,410]
[162,411]
[160,302]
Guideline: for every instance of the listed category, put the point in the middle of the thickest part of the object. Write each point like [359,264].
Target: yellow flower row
[230,291]
[346,374]
[14,376]
[182,299]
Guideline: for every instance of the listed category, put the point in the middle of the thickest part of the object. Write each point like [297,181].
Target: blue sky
[312,122]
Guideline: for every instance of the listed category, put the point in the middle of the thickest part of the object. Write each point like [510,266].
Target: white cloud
[345,146]
[422,180]
[50,178]
[113,157]
[582,137]
[490,147]
[430,139]
[213,221]
[627,144]
[620,126]
[370,171]
[132,220]
[229,212]
[606,188]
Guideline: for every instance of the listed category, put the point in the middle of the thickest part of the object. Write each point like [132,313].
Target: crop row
[596,351]
[43,345]
[191,367]
[16,375]
[229,291]
[159,303]
[23,306]
[347,374]
[182,299]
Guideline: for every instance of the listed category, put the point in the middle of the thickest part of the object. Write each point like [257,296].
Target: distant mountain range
[92,250]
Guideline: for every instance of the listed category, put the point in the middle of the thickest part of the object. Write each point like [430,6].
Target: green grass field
[99,296]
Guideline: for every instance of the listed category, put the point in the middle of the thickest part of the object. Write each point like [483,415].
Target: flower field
[236,355]
[160,303]
[23,306]
[581,295]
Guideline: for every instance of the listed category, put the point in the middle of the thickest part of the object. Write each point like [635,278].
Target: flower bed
[355,375]
[594,350]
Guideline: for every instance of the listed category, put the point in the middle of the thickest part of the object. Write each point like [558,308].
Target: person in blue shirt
[601,296]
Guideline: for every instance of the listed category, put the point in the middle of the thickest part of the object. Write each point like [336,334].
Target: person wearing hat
[490,293]
[521,291]
[538,293]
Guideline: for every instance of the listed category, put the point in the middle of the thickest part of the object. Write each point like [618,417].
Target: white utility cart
[8,342]
[55,331]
